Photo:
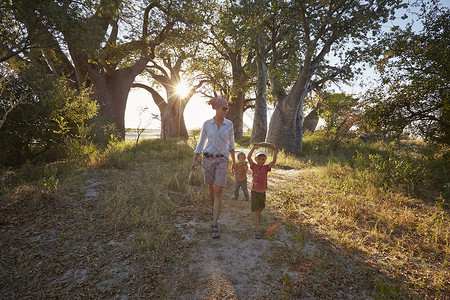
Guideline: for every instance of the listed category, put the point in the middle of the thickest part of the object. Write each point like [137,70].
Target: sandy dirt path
[236,265]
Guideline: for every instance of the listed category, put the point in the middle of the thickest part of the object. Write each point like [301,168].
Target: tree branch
[159,101]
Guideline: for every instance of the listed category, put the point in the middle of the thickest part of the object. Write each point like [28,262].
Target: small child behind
[259,183]
[240,176]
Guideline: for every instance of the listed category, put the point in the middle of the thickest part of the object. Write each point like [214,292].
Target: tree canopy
[415,68]
[250,52]
[342,30]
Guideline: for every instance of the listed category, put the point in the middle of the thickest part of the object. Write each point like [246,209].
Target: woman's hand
[194,162]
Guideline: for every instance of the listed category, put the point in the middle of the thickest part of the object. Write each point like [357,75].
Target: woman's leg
[217,203]
[212,193]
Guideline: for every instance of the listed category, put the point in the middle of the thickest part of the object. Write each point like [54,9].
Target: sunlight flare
[182,89]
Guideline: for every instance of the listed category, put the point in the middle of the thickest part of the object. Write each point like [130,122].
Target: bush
[47,124]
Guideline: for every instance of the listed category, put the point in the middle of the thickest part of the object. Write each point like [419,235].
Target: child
[259,183]
[240,176]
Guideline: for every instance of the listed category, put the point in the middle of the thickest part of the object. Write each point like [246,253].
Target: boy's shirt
[259,182]
[241,171]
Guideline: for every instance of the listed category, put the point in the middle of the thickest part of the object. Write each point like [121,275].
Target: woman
[216,143]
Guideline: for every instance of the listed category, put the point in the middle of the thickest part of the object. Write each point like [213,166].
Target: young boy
[259,183]
[240,176]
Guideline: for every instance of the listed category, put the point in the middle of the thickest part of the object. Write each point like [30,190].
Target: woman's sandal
[215,233]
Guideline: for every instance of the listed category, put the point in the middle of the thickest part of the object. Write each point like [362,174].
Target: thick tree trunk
[110,87]
[112,92]
[236,114]
[311,121]
[172,119]
[172,122]
[259,130]
[285,127]
[240,78]
[119,85]
[286,124]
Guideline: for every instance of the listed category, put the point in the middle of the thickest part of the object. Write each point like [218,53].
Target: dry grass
[152,194]
[405,238]
[101,231]
[398,224]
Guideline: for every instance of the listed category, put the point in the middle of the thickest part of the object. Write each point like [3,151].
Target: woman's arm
[200,146]
[194,162]
[233,157]
[202,140]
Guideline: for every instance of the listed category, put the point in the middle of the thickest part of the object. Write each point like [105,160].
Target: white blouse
[218,141]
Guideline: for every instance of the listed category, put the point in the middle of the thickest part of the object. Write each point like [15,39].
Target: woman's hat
[217,102]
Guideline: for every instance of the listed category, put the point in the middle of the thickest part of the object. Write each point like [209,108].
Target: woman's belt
[206,154]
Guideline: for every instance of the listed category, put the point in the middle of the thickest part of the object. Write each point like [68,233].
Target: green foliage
[389,290]
[339,113]
[414,67]
[51,119]
[387,171]
[50,180]
[411,167]
[243,141]
[120,154]
[15,36]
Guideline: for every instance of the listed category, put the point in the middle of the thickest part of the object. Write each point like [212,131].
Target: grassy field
[386,202]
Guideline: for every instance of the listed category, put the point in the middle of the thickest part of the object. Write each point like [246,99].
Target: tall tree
[171,110]
[415,68]
[101,44]
[175,67]
[259,129]
[274,34]
[229,38]
[282,29]
[342,27]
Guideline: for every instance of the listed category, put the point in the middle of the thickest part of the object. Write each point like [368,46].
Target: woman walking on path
[216,143]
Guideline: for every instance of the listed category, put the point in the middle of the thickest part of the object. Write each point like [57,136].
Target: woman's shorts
[215,170]
[258,200]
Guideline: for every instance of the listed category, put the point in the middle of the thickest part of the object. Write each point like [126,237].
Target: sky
[197,111]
